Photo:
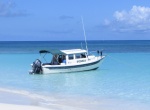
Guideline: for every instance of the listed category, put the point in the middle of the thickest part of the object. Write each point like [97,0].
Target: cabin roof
[71,51]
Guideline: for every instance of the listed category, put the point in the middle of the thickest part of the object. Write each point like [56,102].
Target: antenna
[84,35]
[81,45]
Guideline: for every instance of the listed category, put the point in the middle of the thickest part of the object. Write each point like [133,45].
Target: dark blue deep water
[115,46]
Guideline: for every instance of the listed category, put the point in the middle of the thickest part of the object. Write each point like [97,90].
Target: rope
[125,63]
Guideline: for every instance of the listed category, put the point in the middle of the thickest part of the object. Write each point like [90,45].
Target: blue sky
[52,20]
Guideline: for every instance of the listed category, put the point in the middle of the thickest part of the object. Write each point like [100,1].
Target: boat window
[83,55]
[78,56]
[70,57]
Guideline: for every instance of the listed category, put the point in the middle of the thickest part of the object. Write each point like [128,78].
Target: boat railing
[96,53]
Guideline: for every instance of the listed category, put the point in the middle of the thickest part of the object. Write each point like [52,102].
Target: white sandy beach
[20,107]
[15,101]
[103,106]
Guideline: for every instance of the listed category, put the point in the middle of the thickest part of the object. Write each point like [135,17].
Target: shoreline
[15,101]
[24,100]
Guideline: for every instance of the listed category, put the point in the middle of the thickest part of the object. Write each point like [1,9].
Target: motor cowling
[36,67]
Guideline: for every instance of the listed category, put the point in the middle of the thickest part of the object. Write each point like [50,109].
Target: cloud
[136,19]
[64,17]
[9,10]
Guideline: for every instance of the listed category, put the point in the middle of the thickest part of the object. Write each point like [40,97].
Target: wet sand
[15,101]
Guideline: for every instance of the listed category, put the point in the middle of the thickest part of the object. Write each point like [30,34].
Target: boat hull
[72,68]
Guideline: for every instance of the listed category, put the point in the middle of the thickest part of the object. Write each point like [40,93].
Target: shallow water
[122,76]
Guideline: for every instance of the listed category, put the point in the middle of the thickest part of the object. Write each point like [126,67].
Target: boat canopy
[63,52]
[53,52]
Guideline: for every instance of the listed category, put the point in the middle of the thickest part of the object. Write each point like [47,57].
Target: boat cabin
[67,57]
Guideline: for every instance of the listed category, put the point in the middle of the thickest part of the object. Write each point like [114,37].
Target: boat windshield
[58,59]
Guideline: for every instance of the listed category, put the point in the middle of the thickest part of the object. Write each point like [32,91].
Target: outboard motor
[36,67]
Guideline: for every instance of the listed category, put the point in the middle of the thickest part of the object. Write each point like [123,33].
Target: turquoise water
[122,75]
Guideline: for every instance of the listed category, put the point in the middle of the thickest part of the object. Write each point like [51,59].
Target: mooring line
[125,63]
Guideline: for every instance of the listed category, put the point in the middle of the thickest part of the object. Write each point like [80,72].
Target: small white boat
[66,61]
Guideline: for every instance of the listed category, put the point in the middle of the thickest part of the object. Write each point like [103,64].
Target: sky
[58,20]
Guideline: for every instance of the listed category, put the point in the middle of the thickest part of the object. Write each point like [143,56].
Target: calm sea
[127,46]
[124,73]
